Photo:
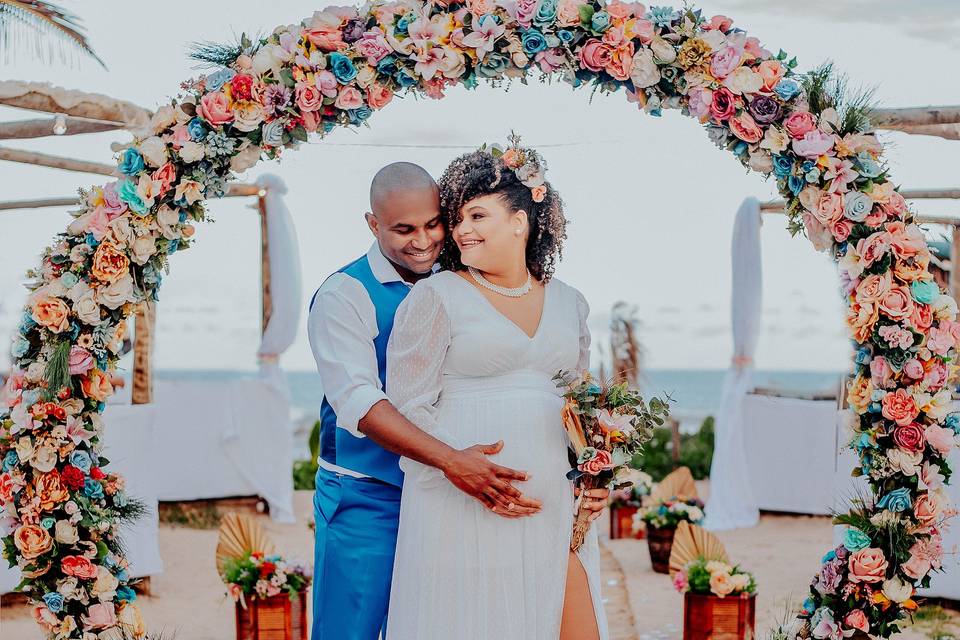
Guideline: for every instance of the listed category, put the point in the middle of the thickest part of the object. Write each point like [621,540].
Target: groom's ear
[372,223]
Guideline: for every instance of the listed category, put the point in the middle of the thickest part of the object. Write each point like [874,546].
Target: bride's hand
[595,500]
[473,473]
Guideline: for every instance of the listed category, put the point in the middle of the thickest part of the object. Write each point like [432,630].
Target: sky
[651,200]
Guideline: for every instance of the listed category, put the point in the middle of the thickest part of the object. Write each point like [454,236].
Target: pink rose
[873,287]
[867,565]
[940,340]
[813,144]
[619,10]
[326,37]
[78,566]
[745,128]
[880,373]
[897,303]
[644,30]
[896,206]
[876,217]
[599,462]
[858,620]
[311,120]
[841,229]
[922,317]
[215,108]
[44,617]
[873,247]
[349,98]
[327,83]
[913,368]
[621,62]
[550,60]
[524,10]
[910,437]
[309,97]
[718,23]
[926,509]
[725,61]
[829,208]
[98,221]
[724,104]
[373,44]
[936,377]
[680,581]
[166,176]
[102,615]
[906,241]
[799,123]
[81,360]
[179,136]
[112,203]
[699,101]
[378,95]
[595,55]
[940,438]
[900,407]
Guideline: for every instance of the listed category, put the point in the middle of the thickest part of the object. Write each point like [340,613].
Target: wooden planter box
[660,542]
[274,618]
[621,523]
[713,618]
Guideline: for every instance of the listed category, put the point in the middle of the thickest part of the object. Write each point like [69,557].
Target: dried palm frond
[51,24]
[691,542]
[678,484]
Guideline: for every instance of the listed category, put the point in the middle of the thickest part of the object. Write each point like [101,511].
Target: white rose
[829,119]
[714,38]
[247,116]
[121,231]
[775,140]
[67,587]
[248,157]
[105,586]
[743,80]
[168,220]
[79,253]
[907,462]
[761,161]
[79,226]
[944,307]
[367,74]
[644,72]
[87,308]
[25,448]
[154,151]
[36,372]
[165,117]
[191,151]
[897,590]
[44,458]
[65,533]
[266,59]
[454,64]
[143,248]
[663,50]
[117,293]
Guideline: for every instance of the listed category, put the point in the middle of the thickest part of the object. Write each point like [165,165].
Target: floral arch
[60,504]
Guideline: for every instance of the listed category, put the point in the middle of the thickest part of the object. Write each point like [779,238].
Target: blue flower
[924,292]
[588,454]
[952,421]
[359,115]
[828,556]
[126,594]
[328,126]
[273,133]
[741,148]
[470,82]
[69,279]
[786,89]
[404,23]
[565,35]
[30,397]
[823,614]
[217,79]
[863,356]
[897,500]
[662,16]
[10,460]
[20,348]
[47,523]
[492,66]
[131,163]
[404,79]
[546,13]
[342,67]
[867,166]
[854,539]
[600,21]
[533,42]
[92,489]
[54,601]
[81,460]
[128,194]
[173,246]
[388,65]
[197,130]
[594,389]
[795,183]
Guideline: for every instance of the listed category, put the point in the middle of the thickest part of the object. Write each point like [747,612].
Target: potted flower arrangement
[270,594]
[626,502]
[673,501]
[719,599]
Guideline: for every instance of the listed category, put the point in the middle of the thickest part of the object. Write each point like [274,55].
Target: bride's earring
[518,232]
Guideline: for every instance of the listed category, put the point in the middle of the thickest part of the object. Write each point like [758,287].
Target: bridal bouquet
[607,426]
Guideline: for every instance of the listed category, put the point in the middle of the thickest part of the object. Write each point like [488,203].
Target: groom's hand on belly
[471,471]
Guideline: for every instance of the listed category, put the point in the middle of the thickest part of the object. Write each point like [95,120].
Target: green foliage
[826,89]
[304,471]
[696,452]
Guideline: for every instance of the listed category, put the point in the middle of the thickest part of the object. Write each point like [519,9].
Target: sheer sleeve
[415,355]
[583,311]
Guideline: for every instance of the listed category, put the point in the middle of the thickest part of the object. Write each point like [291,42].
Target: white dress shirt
[342,326]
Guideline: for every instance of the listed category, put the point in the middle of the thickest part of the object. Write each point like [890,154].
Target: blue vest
[339,446]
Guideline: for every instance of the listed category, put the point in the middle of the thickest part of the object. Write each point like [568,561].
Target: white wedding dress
[468,375]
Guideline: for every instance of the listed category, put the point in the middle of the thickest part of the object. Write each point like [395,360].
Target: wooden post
[955,264]
[265,299]
[142,391]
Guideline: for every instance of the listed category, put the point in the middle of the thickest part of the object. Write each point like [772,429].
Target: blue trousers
[356,537]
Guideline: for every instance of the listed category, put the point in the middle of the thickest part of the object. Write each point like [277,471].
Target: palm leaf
[46,20]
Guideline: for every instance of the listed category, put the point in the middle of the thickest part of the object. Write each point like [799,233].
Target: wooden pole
[56,162]
[266,302]
[237,189]
[142,391]
[945,131]
[955,263]
[882,118]
[43,127]
[38,97]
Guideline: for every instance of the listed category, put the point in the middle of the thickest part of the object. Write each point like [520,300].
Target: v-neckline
[543,308]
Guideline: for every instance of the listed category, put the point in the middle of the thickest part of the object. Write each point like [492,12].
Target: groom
[362,436]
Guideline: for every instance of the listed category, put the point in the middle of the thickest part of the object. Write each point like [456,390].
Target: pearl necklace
[518,292]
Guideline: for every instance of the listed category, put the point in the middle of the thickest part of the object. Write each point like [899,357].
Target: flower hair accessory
[529,166]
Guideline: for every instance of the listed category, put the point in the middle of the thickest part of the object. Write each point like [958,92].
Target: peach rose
[895,206]
[101,616]
[857,619]
[595,55]
[568,12]
[744,127]
[309,97]
[861,317]
[721,584]
[79,566]
[378,96]
[771,71]
[97,385]
[906,240]
[873,247]
[349,98]
[50,490]
[215,108]
[900,407]
[621,62]
[32,541]
[922,317]
[50,312]
[867,565]
[109,263]
[799,123]
[166,176]
[897,303]
[538,192]
[44,617]
[600,462]
[926,509]
[829,208]
[874,287]
[940,438]
[859,393]
[841,229]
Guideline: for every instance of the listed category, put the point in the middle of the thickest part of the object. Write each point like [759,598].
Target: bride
[470,359]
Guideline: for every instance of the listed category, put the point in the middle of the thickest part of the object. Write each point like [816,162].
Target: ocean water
[696,392]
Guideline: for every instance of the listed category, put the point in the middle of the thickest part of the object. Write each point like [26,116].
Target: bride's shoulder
[571,293]
[436,287]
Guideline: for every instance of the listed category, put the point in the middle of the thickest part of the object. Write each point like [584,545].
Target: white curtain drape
[731,503]
[285,282]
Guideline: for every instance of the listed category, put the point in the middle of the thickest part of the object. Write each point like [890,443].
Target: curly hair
[479,173]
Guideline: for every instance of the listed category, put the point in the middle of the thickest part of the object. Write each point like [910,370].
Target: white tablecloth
[128,445]
[791,449]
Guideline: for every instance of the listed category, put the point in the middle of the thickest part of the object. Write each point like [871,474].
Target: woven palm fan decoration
[678,484]
[691,542]
[239,535]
